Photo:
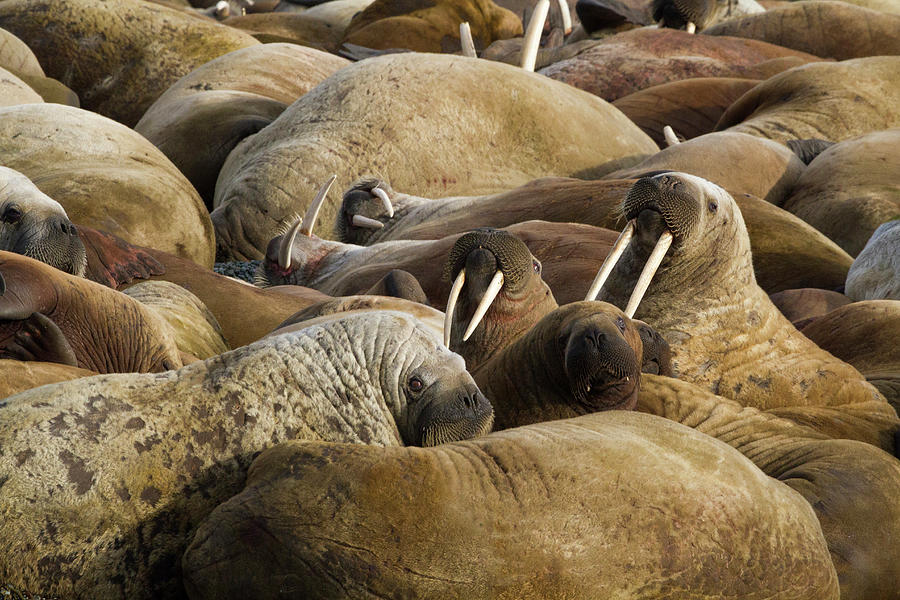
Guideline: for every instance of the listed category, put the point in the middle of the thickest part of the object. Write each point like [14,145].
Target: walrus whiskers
[287,242]
[656,257]
[611,259]
[533,35]
[493,289]
[312,213]
[385,199]
[466,41]
[451,304]
[361,221]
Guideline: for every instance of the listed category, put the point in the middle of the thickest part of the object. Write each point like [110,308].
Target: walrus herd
[489,299]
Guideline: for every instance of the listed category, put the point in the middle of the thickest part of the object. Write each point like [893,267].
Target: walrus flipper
[111,261]
[40,339]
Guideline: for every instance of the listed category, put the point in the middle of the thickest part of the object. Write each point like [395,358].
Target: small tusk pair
[656,257]
[533,34]
[312,213]
[490,294]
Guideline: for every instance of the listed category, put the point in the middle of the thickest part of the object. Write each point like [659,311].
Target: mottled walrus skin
[105,478]
[724,332]
[462,127]
[852,487]
[583,357]
[610,505]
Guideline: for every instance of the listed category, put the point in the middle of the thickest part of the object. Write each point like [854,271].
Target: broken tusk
[386,200]
[533,34]
[366,222]
[486,300]
[656,257]
[287,243]
[566,16]
[451,304]
[611,259]
[690,27]
[466,41]
[671,138]
[312,213]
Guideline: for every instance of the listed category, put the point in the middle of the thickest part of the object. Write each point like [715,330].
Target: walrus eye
[415,384]
[713,207]
[620,323]
[12,214]
[536,266]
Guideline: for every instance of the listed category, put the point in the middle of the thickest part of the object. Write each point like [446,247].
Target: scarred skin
[576,509]
[107,331]
[725,334]
[541,376]
[118,470]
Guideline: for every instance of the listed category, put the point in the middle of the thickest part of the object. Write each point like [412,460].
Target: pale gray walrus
[683,265]
[103,479]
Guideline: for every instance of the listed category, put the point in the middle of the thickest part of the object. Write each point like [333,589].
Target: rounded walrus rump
[609,505]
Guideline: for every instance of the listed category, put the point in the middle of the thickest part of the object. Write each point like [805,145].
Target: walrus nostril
[595,338]
[469,402]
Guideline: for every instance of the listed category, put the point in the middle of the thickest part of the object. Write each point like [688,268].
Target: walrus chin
[442,432]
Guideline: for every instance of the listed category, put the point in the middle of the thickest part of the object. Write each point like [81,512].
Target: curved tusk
[671,138]
[451,304]
[361,221]
[566,16]
[656,257]
[611,259]
[533,34]
[466,41]
[690,27]
[486,300]
[386,200]
[312,213]
[287,243]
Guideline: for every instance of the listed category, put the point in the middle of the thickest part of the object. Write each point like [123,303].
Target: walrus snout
[667,194]
[602,368]
[466,414]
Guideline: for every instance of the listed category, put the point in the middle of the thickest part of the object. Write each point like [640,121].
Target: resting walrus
[104,479]
[725,333]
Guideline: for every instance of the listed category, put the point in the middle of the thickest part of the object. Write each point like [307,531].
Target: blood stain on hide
[78,474]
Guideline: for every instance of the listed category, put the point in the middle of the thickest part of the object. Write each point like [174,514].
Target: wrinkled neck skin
[526,381]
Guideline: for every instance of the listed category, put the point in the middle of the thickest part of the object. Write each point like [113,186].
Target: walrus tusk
[669,134]
[466,41]
[361,221]
[312,213]
[386,200]
[690,27]
[222,9]
[486,300]
[533,34]
[451,304]
[287,242]
[659,251]
[566,16]
[611,259]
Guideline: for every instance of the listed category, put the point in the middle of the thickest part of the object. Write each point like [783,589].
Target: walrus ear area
[111,261]
[513,257]
[657,355]
[670,195]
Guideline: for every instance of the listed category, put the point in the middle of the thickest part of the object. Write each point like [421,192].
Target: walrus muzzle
[602,369]
[469,414]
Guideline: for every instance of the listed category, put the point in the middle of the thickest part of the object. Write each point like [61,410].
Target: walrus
[876,271]
[683,264]
[35,225]
[90,325]
[612,504]
[583,357]
[106,478]
[697,15]
[17,376]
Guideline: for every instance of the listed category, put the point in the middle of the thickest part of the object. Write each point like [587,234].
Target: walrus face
[692,216]
[366,207]
[36,226]
[690,15]
[443,403]
[497,292]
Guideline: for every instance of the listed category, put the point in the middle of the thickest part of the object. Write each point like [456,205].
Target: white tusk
[671,138]
[386,200]
[466,41]
[451,304]
[312,213]
[361,221]
[222,9]
[533,34]
[566,16]
[611,259]
[287,242]
[690,27]
[486,300]
[656,257]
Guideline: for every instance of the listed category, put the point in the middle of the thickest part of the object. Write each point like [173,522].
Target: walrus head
[365,209]
[678,225]
[36,226]
[497,293]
